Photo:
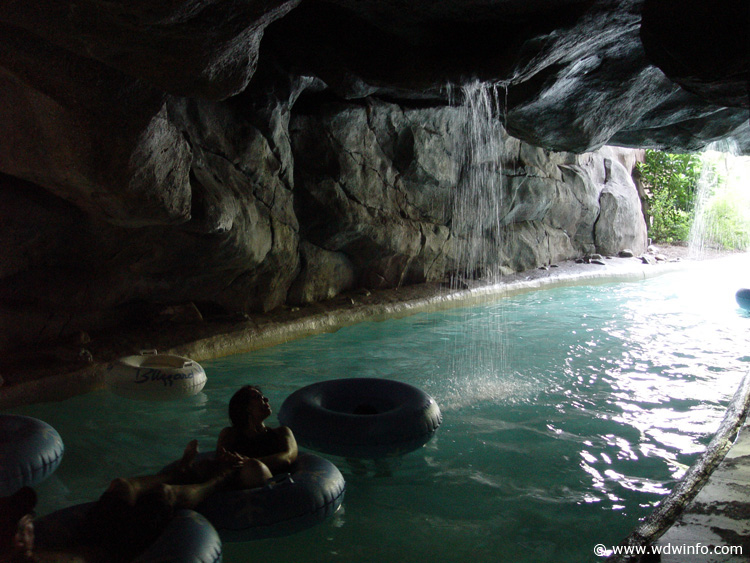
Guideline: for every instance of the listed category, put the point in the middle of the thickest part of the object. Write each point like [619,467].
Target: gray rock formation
[242,155]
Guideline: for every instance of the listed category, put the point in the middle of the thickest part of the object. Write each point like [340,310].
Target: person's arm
[225,442]
[282,461]
[225,446]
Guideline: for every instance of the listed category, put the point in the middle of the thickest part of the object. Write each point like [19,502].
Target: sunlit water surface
[568,414]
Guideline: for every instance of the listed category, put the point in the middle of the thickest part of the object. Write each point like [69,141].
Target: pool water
[568,414]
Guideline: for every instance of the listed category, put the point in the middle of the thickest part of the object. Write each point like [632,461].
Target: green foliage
[727,226]
[722,218]
[717,214]
[670,181]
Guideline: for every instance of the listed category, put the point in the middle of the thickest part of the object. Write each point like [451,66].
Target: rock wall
[287,197]
[378,184]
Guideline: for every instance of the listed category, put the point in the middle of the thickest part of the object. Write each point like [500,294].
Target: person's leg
[253,473]
[191,495]
[131,488]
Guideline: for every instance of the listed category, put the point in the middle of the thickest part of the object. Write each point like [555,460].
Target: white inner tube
[156,377]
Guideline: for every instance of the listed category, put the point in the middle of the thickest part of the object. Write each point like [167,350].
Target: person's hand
[232,459]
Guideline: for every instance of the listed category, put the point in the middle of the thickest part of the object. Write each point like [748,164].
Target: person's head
[105,520]
[152,512]
[17,524]
[248,407]
[120,528]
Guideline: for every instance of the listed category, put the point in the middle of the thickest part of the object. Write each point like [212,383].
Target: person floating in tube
[133,511]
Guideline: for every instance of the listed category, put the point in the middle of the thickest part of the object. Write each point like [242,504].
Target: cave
[194,167]
[240,158]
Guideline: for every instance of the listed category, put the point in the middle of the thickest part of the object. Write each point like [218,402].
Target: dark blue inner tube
[363,417]
[30,451]
[312,492]
[187,538]
[743,298]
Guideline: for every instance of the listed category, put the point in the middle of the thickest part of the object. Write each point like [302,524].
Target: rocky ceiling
[578,73]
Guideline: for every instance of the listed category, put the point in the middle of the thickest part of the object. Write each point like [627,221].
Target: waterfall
[722,205]
[477,199]
[479,364]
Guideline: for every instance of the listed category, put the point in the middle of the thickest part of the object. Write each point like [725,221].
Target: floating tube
[743,298]
[30,451]
[363,417]
[312,492]
[187,538]
[155,377]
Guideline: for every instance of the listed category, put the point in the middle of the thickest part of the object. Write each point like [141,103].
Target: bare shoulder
[283,432]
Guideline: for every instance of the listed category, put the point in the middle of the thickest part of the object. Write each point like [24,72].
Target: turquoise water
[568,414]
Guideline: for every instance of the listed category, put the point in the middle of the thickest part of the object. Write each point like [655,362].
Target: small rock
[554,266]
[626,253]
[648,259]
[595,257]
[598,261]
[544,267]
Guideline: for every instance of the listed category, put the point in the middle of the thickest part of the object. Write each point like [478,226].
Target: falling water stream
[724,173]
[477,201]
[476,227]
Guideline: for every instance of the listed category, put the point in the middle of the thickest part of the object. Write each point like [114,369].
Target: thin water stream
[722,202]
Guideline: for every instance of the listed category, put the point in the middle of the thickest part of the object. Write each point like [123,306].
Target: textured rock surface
[378,183]
[242,155]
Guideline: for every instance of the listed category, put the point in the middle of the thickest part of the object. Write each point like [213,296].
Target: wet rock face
[380,184]
[243,155]
[576,72]
[196,48]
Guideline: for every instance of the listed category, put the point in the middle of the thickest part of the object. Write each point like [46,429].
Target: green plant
[727,226]
[670,182]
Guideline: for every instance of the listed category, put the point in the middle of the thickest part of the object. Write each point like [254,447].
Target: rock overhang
[578,73]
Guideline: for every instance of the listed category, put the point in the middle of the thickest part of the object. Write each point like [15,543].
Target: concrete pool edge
[257,333]
[674,505]
[437,299]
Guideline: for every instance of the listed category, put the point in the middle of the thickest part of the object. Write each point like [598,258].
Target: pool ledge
[706,517]
[409,301]
[205,341]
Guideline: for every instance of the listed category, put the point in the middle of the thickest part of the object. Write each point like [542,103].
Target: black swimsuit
[261,445]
